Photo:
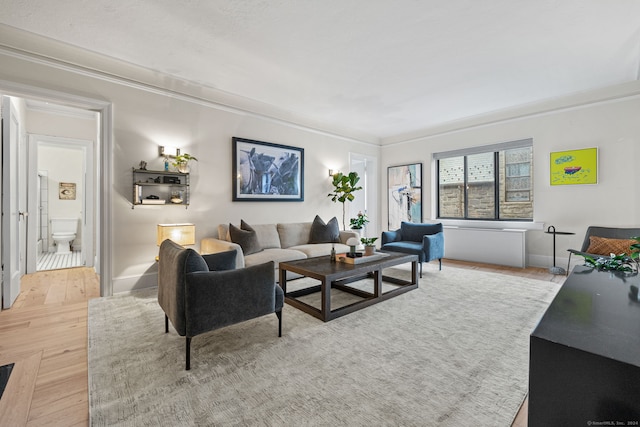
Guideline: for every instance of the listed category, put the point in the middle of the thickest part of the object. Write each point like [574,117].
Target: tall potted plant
[343,188]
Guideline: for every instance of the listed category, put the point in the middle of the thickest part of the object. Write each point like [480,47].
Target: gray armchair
[606,232]
[424,240]
[201,293]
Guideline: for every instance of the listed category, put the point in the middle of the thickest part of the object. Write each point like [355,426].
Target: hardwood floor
[45,335]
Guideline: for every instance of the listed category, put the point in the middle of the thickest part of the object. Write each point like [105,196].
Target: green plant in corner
[181,162]
[343,188]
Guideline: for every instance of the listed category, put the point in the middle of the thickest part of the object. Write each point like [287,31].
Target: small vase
[183,168]
[369,250]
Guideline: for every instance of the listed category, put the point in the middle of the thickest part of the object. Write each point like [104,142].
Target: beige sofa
[279,242]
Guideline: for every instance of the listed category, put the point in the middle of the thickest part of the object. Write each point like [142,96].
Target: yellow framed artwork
[574,167]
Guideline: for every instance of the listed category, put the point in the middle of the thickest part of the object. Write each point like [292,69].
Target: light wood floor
[45,335]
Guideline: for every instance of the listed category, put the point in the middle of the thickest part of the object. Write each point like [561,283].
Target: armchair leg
[279,314]
[166,324]
[188,353]
[440,264]
[421,269]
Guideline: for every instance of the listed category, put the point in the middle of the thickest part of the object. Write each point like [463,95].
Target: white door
[366,200]
[11,217]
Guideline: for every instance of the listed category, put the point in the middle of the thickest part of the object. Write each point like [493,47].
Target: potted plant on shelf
[343,188]
[181,162]
[369,246]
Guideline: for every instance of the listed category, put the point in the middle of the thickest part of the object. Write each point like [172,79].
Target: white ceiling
[382,68]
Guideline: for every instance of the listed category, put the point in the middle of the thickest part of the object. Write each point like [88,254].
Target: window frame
[495,149]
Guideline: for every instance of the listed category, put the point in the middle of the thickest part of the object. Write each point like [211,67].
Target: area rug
[452,352]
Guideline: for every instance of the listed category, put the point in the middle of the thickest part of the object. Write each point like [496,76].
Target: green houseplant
[343,188]
[621,262]
[181,162]
[359,221]
[369,245]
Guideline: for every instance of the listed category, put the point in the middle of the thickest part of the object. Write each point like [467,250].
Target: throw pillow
[221,260]
[195,262]
[324,233]
[246,237]
[606,247]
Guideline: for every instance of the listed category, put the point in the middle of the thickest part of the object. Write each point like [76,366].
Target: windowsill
[501,225]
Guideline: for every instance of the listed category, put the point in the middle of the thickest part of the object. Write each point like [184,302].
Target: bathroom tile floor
[53,261]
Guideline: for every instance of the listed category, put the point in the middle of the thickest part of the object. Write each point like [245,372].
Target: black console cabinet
[585,353]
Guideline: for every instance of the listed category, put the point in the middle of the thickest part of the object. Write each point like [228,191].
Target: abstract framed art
[574,167]
[404,192]
[263,171]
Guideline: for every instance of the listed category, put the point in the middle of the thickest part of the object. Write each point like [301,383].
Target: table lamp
[352,242]
[182,234]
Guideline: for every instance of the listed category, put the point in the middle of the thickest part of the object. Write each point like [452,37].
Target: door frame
[104,165]
[367,168]
[88,198]
[13,214]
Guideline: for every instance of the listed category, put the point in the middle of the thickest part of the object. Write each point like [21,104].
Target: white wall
[613,126]
[145,118]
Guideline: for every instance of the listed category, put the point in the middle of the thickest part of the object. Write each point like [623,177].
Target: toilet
[63,231]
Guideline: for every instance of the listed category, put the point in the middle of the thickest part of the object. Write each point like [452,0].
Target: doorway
[61,191]
[367,169]
[103,176]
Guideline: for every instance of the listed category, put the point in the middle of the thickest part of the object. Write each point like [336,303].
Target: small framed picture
[67,191]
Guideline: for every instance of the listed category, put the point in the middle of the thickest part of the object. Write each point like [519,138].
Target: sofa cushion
[275,255]
[324,233]
[407,247]
[295,233]
[246,237]
[267,235]
[320,249]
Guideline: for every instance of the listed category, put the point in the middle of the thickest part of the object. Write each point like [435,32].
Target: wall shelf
[167,186]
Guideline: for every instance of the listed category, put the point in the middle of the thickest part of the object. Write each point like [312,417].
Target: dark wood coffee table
[338,274]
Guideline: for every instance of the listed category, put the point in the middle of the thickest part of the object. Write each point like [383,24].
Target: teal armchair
[424,240]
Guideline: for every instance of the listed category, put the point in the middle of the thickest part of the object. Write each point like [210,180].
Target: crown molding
[576,101]
[33,48]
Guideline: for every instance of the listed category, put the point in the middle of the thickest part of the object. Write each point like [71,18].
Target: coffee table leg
[325,290]
[283,280]
[414,272]
[377,283]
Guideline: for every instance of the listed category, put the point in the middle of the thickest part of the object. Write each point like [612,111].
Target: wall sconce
[182,234]
[168,151]
[332,172]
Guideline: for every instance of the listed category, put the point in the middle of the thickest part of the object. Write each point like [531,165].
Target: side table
[552,230]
